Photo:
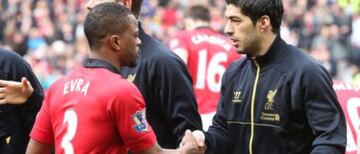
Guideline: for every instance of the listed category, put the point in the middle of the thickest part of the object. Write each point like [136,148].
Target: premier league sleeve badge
[140,121]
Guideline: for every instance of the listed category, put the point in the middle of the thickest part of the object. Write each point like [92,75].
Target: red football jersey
[93,110]
[209,54]
[349,98]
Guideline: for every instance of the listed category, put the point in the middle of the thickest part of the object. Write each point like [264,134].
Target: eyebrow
[232,17]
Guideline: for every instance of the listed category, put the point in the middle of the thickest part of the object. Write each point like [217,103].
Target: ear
[128,3]
[264,23]
[189,24]
[114,41]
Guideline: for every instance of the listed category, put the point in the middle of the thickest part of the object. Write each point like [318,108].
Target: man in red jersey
[207,53]
[83,113]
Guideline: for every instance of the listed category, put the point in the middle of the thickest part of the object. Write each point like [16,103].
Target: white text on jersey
[76,85]
[200,38]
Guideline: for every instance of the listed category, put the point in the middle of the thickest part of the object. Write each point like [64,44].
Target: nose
[228,28]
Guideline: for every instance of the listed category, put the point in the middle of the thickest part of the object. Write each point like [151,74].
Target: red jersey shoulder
[179,40]
[122,85]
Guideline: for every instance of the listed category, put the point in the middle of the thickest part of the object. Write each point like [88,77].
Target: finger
[190,137]
[188,132]
[24,82]
[2,89]
[186,137]
[199,136]
[2,101]
[2,95]
[3,82]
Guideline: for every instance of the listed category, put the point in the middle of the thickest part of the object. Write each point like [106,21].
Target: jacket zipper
[253,105]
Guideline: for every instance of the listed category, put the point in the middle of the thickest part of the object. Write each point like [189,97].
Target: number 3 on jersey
[210,71]
[71,120]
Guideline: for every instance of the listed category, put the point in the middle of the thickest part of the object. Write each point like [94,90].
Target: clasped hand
[192,143]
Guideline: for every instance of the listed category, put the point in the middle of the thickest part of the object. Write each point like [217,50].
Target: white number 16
[207,73]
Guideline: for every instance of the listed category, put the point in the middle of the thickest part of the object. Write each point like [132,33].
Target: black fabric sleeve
[323,111]
[174,89]
[20,68]
[217,138]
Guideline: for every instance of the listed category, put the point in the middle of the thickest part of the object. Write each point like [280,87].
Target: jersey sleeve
[178,45]
[175,93]
[14,68]
[178,41]
[42,130]
[128,112]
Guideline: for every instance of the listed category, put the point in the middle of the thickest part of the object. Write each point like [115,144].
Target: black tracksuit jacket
[16,121]
[165,83]
[282,102]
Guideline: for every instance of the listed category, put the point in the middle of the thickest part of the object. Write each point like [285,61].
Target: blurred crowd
[49,33]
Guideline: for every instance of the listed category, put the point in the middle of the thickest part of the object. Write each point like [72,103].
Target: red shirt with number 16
[209,54]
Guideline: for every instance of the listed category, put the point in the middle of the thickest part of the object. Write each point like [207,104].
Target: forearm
[35,147]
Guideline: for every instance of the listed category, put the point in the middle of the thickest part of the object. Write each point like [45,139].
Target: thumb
[199,136]
[25,82]
[188,132]
[187,137]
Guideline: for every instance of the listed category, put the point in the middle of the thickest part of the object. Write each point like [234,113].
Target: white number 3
[70,118]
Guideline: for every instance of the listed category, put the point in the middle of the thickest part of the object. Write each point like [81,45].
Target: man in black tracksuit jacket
[16,121]
[165,83]
[278,99]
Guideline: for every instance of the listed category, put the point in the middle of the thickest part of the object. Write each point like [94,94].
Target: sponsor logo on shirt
[275,117]
[269,106]
[131,77]
[236,97]
[140,121]
[270,97]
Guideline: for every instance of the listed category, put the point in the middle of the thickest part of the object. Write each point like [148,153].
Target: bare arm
[156,149]
[189,146]
[12,92]
[35,147]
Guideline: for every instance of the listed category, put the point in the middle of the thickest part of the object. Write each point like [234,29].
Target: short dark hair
[103,20]
[198,12]
[136,7]
[257,8]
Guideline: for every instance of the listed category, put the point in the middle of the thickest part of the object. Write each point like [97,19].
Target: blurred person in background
[164,82]
[207,54]
[21,97]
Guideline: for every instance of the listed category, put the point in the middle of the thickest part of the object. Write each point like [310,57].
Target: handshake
[193,143]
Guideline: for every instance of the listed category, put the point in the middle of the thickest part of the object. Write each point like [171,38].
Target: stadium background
[49,34]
